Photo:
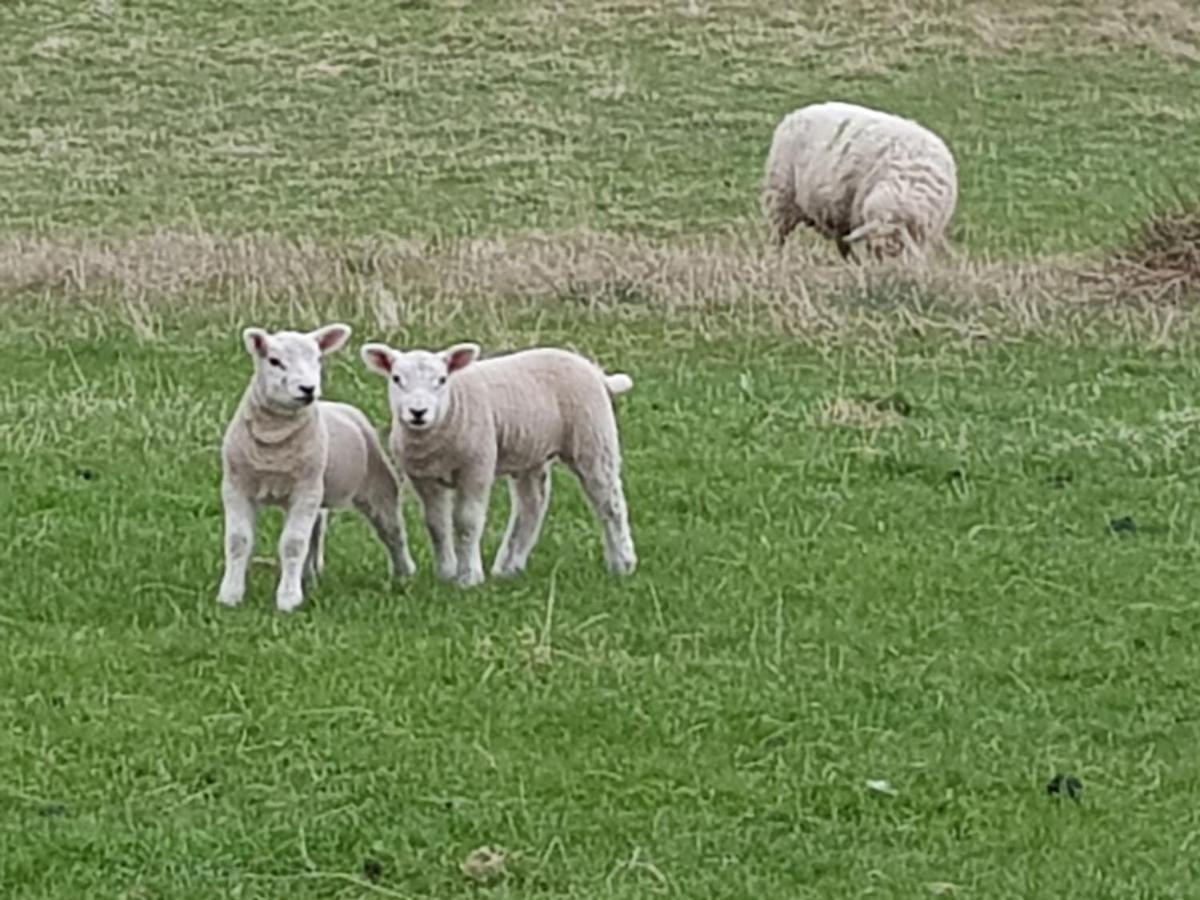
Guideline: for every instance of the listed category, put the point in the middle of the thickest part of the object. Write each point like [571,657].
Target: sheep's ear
[331,338]
[255,340]
[460,356]
[378,357]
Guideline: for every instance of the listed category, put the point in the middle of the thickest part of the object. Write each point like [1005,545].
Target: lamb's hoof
[405,568]
[623,566]
[447,573]
[229,597]
[288,602]
[469,579]
[508,569]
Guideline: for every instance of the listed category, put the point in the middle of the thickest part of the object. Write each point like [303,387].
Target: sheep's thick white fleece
[854,173]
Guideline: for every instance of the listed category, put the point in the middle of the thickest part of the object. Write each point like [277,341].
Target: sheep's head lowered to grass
[287,364]
[418,379]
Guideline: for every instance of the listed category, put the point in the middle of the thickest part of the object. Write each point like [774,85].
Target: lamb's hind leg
[600,477]
[381,507]
[530,493]
[314,562]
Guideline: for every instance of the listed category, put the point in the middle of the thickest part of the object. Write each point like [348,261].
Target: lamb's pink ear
[379,358]
[255,340]
[331,338]
[460,356]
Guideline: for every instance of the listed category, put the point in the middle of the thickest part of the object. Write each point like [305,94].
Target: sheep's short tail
[617,384]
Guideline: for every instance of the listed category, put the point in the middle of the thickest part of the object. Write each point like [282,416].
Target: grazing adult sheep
[287,447]
[860,175]
[457,424]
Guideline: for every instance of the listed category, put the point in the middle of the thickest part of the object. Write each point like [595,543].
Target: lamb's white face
[287,364]
[418,380]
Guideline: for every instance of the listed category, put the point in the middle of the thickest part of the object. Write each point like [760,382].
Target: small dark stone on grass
[372,869]
[1123,525]
[1065,785]
[86,474]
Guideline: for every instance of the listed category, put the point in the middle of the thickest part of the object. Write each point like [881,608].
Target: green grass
[356,118]
[829,592]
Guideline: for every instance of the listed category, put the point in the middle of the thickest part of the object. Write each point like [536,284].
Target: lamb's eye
[441,381]
[276,362]
[396,379]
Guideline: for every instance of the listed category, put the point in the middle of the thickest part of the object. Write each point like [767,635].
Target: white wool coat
[860,174]
[512,414]
[267,455]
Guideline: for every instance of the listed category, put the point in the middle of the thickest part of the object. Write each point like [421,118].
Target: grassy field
[937,529]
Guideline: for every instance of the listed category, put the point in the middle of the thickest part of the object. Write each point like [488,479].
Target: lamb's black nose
[418,415]
[307,391]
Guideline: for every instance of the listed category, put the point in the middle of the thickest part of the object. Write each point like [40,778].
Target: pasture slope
[874,511]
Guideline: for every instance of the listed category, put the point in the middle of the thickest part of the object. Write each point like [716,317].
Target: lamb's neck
[269,427]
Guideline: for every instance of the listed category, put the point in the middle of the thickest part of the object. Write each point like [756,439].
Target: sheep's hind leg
[601,481]
[530,493]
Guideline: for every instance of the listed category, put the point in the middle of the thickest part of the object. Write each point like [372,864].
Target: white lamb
[457,424]
[858,174]
[287,447]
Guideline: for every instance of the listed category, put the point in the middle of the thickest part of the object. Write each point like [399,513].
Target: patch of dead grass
[1162,259]
[730,283]
[856,413]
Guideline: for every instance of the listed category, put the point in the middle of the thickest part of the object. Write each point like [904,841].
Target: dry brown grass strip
[855,413]
[730,283]
[1161,262]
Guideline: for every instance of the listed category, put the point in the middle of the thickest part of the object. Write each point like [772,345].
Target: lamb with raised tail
[285,446]
[860,175]
[457,424]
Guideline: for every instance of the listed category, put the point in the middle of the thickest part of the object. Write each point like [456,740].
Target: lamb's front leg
[437,502]
[302,513]
[470,516]
[240,515]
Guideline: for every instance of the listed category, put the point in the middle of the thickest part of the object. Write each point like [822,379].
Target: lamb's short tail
[617,384]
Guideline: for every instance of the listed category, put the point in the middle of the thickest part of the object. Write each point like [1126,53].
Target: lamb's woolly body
[520,411]
[510,416]
[267,455]
[859,174]
[308,459]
